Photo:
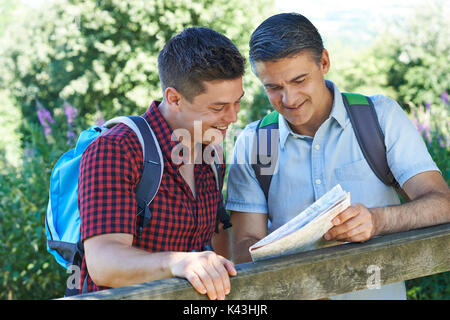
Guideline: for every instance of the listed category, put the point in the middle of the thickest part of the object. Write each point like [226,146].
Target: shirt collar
[338,112]
[285,130]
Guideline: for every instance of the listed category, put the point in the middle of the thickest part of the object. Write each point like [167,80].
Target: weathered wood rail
[316,274]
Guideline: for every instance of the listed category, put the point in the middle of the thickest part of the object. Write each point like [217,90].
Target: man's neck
[168,115]
[195,150]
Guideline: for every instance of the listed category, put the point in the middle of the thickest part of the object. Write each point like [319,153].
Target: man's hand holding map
[305,231]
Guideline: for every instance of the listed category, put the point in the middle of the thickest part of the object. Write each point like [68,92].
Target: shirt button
[318,181]
[317,147]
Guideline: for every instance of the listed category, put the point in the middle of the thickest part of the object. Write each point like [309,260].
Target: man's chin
[215,139]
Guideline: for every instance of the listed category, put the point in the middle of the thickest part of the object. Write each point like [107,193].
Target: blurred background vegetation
[68,64]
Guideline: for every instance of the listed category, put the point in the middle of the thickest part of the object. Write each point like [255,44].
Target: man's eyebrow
[218,103]
[298,77]
[292,80]
[271,85]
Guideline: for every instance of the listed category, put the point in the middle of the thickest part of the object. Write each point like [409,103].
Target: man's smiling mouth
[221,127]
[296,107]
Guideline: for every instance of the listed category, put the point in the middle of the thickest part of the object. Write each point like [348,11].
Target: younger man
[201,77]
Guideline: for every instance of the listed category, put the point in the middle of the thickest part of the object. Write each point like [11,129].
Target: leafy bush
[28,270]
[432,121]
[409,61]
[101,56]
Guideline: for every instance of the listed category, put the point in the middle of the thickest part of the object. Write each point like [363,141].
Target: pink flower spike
[70,111]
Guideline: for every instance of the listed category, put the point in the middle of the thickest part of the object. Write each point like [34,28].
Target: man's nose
[289,98]
[231,114]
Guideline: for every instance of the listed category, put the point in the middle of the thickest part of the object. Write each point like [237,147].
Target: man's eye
[273,88]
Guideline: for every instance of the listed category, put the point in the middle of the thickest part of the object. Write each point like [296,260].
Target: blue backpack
[62,221]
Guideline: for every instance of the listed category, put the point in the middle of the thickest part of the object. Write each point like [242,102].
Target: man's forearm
[117,265]
[240,251]
[113,262]
[221,242]
[430,209]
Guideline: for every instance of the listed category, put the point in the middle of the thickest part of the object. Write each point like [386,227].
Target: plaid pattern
[110,170]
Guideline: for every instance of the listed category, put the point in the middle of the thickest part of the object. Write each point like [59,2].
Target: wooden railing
[319,273]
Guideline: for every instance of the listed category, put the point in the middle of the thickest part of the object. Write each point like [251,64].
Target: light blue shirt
[308,167]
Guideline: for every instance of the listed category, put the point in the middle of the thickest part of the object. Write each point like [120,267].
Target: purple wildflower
[47,131]
[423,128]
[29,152]
[71,137]
[441,140]
[428,105]
[43,114]
[70,111]
[45,118]
[444,97]
[428,136]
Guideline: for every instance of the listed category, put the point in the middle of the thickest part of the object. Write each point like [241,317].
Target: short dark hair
[195,55]
[284,35]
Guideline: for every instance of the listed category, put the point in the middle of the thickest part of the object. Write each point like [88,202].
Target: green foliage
[101,56]
[419,53]
[362,71]
[408,62]
[28,271]
[435,287]
[434,125]
[260,106]
[6,9]
[10,117]
[433,122]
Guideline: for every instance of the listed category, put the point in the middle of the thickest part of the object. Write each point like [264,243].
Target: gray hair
[285,35]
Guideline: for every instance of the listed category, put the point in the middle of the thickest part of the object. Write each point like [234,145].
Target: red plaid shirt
[110,170]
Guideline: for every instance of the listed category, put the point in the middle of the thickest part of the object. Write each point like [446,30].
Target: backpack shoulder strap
[222,215]
[366,126]
[152,171]
[264,151]
[153,164]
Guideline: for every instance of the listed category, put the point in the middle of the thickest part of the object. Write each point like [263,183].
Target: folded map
[305,231]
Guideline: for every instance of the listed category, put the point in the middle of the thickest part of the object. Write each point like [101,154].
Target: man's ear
[173,99]
[325,62]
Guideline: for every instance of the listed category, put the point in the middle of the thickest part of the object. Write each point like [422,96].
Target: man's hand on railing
[207,272]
